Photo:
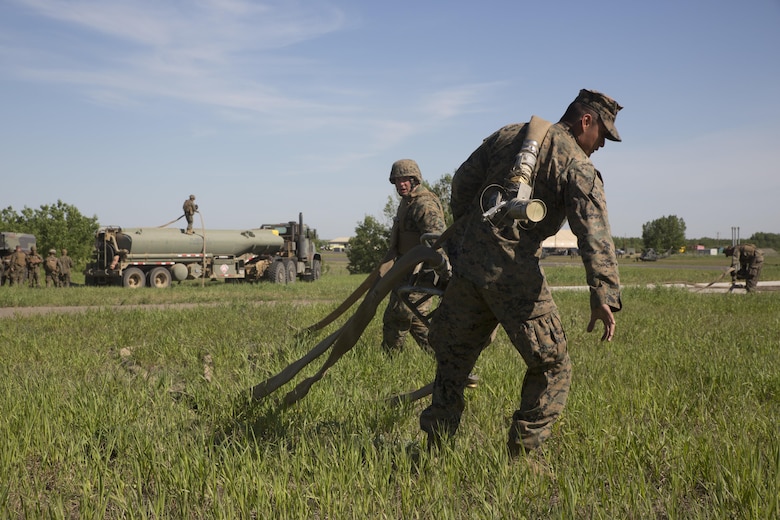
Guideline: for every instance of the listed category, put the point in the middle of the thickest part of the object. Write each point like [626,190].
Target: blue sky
[263,109]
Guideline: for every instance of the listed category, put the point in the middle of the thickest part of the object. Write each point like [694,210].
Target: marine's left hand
[603,314]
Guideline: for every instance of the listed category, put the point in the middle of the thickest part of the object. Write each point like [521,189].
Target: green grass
[142,413]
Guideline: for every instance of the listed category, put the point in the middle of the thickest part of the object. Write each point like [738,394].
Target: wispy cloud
[201,52]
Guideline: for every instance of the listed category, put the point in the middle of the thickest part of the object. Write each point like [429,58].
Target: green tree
[57,226]
[369,245]
[443,189]
[765,240]
[665,233]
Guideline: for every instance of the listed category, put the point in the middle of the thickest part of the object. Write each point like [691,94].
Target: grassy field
[125,412]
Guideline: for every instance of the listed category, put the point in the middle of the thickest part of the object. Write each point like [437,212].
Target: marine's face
[403,185]
[592,134]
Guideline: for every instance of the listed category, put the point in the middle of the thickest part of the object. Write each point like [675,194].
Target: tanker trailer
[131,257]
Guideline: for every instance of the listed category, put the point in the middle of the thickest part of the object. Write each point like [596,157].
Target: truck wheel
[277,272]
[133,278]
[316,270]
[160,278]
[292,271]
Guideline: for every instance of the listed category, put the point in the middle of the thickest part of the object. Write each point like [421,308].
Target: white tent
[563,239]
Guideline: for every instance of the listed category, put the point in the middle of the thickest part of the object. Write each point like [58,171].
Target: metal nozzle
[533,210]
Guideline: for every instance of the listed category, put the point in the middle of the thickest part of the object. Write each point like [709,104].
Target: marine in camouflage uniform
[419,212]
[189,208]
[18,266]
[51,267]
[33,273]
[746,262]
[497,279]
[66,265]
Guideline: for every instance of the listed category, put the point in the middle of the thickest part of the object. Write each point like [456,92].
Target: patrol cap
[54,251]
[606,107]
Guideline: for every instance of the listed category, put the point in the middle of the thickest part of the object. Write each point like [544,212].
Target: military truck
[8,242]
[155,257]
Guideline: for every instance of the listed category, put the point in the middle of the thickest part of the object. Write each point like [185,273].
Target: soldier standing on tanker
[746,264]
[33,261]
[419,212]
[66,264]
[496,275]
[189,210]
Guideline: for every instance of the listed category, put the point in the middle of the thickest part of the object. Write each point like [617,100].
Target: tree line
[56,226]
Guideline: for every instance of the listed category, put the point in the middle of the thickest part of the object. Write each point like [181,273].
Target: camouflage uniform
[189,208]
[747,261]
[418,213]
[497,279]
[18,265]
[66,264]
[33,274]
[51,266]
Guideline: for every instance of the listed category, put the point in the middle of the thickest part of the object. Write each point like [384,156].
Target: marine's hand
[603,314]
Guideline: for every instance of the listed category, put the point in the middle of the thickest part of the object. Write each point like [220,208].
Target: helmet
[192,197]
[405,168]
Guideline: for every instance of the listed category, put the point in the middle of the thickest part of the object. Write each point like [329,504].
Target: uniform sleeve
[468,180]
[586,210]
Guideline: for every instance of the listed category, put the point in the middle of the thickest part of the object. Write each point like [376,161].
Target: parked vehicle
[137,257]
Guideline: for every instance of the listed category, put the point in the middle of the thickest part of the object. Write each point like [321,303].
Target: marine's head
[606,107]
[405,175]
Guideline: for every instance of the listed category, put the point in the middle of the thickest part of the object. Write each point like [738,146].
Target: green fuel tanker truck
[137,257]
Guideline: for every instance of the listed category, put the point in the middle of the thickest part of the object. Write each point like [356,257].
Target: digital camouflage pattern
[746,262]
[497,280]
[189,207]
[419,213]
[34,260]
[65,267]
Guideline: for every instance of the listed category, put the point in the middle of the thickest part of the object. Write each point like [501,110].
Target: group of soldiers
[20,268]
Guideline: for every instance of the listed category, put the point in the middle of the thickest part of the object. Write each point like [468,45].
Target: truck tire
[160,278]
[277,272]
[292,270]
[133,278]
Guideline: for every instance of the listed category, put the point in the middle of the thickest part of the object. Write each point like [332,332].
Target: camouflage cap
[52,251]
[405,168]
[606,107]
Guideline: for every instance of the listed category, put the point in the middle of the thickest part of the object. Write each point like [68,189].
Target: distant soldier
[18,266]
[5,270]
[66,265]
[52,269]
[746,264]
[33,261]
[189,210]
